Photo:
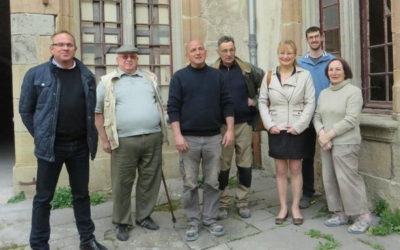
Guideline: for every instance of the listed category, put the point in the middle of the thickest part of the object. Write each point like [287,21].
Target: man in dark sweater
[57,107]
[198,102]
[243,81]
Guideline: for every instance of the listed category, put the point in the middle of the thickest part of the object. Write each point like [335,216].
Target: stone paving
[257,232]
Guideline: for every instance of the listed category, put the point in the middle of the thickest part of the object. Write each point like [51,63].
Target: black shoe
[122,232]
[148,223]
[92,245]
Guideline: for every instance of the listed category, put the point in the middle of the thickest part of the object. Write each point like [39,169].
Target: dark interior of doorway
[7,155]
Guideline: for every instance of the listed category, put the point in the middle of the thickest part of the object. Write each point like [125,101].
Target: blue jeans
[75,155]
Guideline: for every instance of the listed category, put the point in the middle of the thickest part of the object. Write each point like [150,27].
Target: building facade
[161,28]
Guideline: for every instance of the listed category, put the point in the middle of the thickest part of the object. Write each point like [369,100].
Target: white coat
[291,103]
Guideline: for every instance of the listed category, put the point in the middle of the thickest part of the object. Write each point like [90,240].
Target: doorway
[7,151]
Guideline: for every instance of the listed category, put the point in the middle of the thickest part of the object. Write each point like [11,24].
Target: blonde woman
[286,107]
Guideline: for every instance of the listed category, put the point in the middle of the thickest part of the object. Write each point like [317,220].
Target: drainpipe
[252,32]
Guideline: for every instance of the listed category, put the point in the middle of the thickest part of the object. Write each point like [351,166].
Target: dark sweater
[71,119]
[199,100]
[236,83]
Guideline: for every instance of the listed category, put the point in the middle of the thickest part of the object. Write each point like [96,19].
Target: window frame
[374,106]
[321,23]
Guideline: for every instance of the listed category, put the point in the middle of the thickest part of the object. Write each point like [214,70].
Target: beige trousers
[241,147]
[344,186]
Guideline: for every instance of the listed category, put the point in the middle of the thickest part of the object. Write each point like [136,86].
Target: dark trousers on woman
[75,155]
[308,163]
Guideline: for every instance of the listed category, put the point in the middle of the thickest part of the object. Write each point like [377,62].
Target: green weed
[63,198]
[390,219]
[232,182]
[165,206]
[322,212]
[17,198]
[331,242]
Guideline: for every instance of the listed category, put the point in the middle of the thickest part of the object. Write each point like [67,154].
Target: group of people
[213,111]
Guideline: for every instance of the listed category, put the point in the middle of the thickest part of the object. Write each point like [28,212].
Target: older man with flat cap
[132,128]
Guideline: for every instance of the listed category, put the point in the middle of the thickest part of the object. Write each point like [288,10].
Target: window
[377,53]
[330,25]
[101,31]
[153,37]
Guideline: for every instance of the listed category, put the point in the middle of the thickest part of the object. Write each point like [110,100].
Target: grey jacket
[39,103]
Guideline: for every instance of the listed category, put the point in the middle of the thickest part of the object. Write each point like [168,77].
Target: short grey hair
[225,39]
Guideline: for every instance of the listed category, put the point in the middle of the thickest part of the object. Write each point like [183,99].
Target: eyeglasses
[286,53]
[125,57]
[62,45]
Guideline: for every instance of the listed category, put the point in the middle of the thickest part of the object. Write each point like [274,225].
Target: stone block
[395,16]
[291,11]
[376,159]
[292,31]
[23,50]
[396,49]
[18,73]
[396,161]
[35,6]
[379,188]
[18,125]
[24,149]
[100,175]
[24,179]
[198,29]
[64,23]
[43,50]
[32,24]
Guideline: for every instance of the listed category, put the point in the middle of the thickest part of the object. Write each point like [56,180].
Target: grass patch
[232,182]
[322,212]
[330,243]
[63,198]
[390,220]
[14,247]
[372,245]
[17,198]
[165,206]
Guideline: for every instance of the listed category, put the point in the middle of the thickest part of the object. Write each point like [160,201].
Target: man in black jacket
[57,107]
[198,102]
[243,81]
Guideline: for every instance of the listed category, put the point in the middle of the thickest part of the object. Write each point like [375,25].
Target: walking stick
[169,200]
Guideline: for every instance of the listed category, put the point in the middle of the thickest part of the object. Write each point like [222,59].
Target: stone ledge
[378,128]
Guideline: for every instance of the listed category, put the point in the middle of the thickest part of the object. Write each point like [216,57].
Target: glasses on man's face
[62,45]
[126,57]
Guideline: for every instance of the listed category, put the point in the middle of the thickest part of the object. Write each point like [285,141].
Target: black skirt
[288,146]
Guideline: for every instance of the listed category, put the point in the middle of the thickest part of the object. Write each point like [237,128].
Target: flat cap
[127,49]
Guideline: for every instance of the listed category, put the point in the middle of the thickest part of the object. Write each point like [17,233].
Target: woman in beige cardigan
[337,123]
[286,107]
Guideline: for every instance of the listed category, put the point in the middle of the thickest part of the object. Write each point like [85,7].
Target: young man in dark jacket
[57,107]
[243,81]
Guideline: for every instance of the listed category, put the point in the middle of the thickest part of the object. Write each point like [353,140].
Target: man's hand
[227,140]
[180,143]
[107,147]
[274,130]
[250,102]
[291,130]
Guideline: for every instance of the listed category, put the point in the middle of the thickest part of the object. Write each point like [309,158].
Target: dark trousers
[308,163]
[75,155]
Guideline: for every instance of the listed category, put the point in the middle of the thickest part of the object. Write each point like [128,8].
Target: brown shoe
[279,221]
[298,221]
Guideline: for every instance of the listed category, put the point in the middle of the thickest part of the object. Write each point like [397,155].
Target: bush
[63,198]
[18,198]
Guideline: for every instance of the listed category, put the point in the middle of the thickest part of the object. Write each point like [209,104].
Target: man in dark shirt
[198,102]
[57,107]
[243,81]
